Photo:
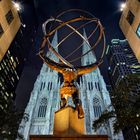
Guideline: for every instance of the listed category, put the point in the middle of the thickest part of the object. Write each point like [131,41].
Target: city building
[13,50]
[16,40]
[122,61]
[130,25]
[123,66]
[9,55]
[38,118]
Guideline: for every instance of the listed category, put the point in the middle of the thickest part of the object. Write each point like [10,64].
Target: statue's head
[68,69]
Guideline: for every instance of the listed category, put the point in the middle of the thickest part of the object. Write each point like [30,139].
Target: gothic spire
[90,57]
[54,44]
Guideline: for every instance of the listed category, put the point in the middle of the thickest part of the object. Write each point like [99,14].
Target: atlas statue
[70,72]
[70,75]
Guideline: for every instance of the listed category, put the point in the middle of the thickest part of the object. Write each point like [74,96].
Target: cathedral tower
[44,101]
[94,95]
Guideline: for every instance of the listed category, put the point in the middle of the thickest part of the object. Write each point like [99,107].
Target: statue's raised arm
[87,69]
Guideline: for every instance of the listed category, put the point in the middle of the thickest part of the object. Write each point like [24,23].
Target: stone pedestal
[67,123]
[67,126]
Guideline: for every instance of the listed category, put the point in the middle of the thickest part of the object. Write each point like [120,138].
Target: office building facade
[122,60]
[11,51]
[130,25]
[123,66]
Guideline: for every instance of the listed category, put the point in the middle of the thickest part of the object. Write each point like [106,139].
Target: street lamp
[122,6]
[19,8]
[17,5]
[23,25]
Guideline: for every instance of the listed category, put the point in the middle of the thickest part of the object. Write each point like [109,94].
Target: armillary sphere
[85,18]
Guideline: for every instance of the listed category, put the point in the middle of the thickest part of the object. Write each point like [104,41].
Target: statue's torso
[69,75]
[69,87]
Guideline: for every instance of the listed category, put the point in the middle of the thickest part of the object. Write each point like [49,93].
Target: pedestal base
[67,123]
[67,126]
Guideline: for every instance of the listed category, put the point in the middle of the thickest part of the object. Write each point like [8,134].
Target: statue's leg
[78,105]
[63,102]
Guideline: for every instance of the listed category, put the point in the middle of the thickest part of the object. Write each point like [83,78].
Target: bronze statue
[70,72]
[70,75]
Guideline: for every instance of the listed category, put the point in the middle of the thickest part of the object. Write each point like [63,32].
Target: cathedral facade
[38,118]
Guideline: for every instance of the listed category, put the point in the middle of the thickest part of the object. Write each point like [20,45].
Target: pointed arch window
[89,85]
[42,108]
[41,86]
[44,85]
[48,85]
[95,85]
[97,107]
[99,87]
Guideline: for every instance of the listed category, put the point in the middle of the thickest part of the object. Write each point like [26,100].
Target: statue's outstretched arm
[87,69]
[52,64]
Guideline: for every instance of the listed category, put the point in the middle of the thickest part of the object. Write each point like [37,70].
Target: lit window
[11,62]
[4,63]
[6,105]
[14,64]
[1,30]
[17,60]
[5,97]
[138,31]
[9,17]
[12,59]
[12,79]
[1,107]
[130,17]
[17,76]
[11,94]
[13,67]
[137,127]
[6,94]
[8,52]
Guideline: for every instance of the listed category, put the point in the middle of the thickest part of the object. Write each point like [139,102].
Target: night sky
[35,12]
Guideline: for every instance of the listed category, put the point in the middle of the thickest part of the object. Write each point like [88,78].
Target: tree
[126,102]
[9,119]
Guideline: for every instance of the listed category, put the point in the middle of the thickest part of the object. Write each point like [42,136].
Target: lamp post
[17,5]
[19,9]
[123,5]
